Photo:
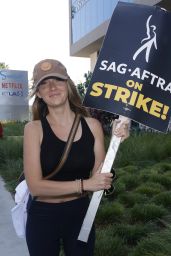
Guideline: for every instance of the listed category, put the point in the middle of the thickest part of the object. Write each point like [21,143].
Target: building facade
[89,20]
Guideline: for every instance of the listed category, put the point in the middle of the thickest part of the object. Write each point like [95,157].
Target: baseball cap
[48,68]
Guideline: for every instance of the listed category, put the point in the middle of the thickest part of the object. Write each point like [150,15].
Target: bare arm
[98,181]
[99,147]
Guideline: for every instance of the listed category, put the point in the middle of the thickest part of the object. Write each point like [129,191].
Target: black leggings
[51,224]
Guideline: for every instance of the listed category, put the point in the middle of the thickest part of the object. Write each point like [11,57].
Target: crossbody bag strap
[67,147]
[65,152]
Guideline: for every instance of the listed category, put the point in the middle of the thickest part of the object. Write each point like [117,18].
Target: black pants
[50,224]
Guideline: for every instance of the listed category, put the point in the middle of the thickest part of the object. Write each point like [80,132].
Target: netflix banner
[132,76]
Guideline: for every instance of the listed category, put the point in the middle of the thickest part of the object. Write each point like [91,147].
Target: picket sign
[96,198]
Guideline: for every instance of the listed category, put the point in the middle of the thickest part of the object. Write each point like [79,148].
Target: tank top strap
[44,124]
[86,129]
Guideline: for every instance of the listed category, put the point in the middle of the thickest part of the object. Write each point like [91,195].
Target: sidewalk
[10,244]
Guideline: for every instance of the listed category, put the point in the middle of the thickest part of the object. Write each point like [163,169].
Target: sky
[33,30]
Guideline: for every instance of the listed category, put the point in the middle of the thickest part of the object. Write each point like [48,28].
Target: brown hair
[40,109]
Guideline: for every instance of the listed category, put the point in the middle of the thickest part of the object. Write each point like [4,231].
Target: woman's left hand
[121,130]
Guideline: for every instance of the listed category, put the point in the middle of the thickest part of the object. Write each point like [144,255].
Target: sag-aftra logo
[149,42]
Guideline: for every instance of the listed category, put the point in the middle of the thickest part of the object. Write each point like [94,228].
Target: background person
[1,131]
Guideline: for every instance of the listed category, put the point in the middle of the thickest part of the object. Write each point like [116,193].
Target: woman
[59,209]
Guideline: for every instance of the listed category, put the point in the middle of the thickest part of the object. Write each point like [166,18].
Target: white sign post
[96,198]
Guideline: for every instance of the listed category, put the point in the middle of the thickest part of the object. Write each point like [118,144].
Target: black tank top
[80,160]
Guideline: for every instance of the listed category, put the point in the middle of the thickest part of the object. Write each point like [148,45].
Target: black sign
[132,76]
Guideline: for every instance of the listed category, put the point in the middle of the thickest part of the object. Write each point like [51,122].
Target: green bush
[119,187]
[107,244]
[157,244]
[163,198]
[147,212]
[15,128]
[162,167]
[10,171]
[129,199]
[2,155]
[150,188]
[11,148]
[162,179]
[109,213]
[144,147]
[131,234]
[145,173]
[130,180]
[129,169]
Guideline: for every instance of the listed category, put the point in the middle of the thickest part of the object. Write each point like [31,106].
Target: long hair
[40,109]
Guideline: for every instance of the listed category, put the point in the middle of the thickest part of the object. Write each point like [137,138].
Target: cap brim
[57,75]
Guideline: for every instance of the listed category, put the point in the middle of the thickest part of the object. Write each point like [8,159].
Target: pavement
[10,244]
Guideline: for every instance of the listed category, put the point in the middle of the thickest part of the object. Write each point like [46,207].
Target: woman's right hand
[99,181]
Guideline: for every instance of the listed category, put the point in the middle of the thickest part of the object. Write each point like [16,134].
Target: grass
[143,190]
[130,151]
[131,234]
[163,198]
[129,199]
[110,212]
[136,219]
[11,154]
[130,180]
[150,188]
[11,160]
[147,212]
[108,244]
[10,171]
[11,148]
[162,179]
[154,245]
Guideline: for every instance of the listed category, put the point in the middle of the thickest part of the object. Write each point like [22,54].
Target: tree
[3,65]
[82,87]
[104,117]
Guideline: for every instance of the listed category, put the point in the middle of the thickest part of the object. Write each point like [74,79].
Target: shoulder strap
[65,152]
[67,147]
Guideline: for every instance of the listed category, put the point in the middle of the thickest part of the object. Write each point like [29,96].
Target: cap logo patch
[45,66]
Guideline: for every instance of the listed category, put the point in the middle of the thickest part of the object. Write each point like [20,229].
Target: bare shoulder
[33,127]
[94,125]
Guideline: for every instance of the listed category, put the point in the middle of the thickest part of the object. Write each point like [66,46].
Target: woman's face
[53,91]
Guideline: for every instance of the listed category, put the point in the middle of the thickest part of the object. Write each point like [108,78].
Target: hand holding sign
[121,129]
[98,181]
